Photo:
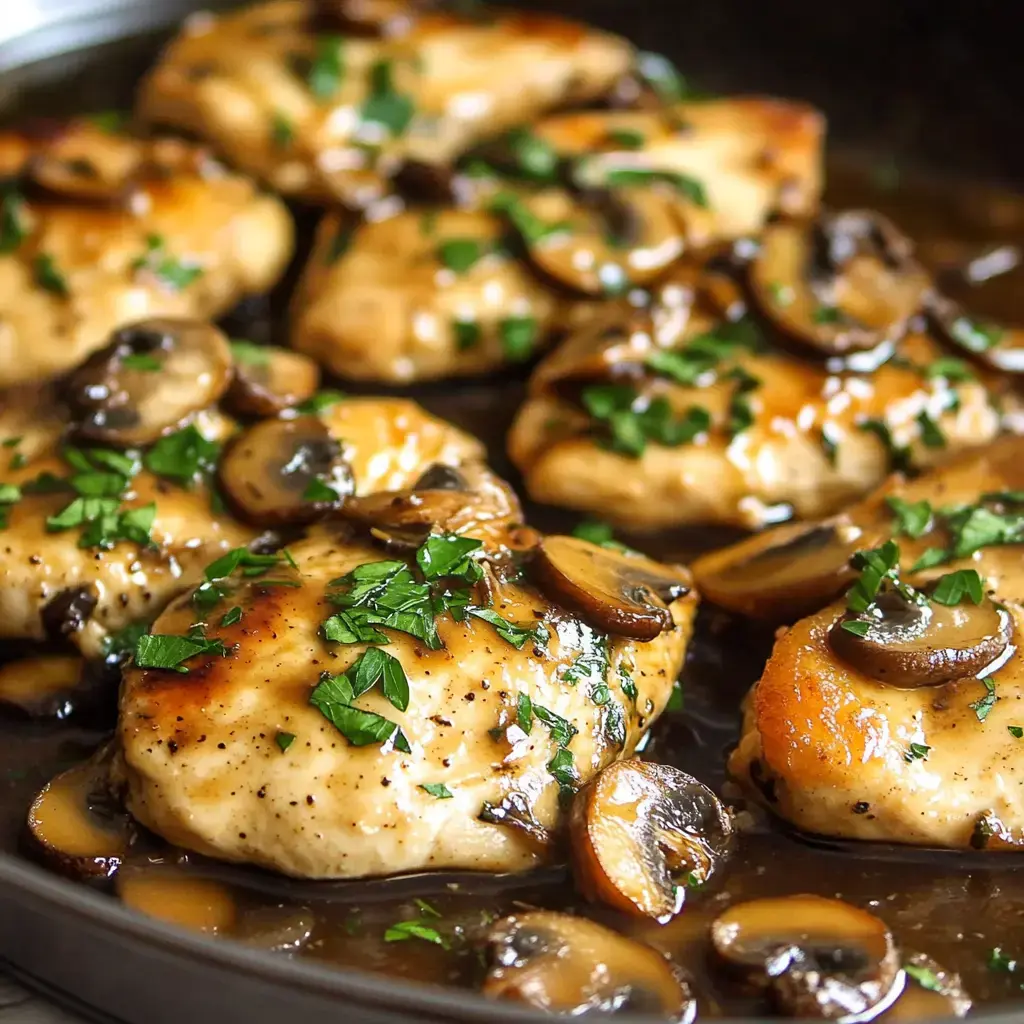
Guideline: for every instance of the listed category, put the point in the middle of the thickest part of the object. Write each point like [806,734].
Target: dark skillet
[894,75]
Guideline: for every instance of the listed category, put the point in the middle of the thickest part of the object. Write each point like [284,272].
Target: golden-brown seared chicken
[317,112]
[249,758]
[70,571]
[419,296]
[687,415]
[102,229]
[897,744]
[438,292]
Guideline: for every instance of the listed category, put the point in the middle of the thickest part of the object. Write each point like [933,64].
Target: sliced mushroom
[41,687]
[817,957]
[371,17]
[198,904]
[995,345]
[785,572]
[149,381]
[910,641]
[624,594]
[405,518]
[637,829]
[847,283]
[569,965]
[68,611]
[931,993]
[516,812]
[78,179]
[75,824]
[615,241]
[441,477]
[285,472]
[268,380]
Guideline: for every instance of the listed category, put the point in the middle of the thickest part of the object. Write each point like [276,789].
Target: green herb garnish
[438,790]
[186,457]
[461,254]
[917,752]
[284,740]
[983,705]
[519,335]
[48,276]
[327,67]
[158,650]
[912,519]
[170,271]
[386,107]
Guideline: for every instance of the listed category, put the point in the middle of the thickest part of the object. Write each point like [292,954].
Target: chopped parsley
[48,275]
[912,519]
[1015,731]
[284,740]
[142,361]
[319,403]
[949,368]
[519,336]
[626,138]
[975,336]
[931,434]
[282,134]
[983,705]
[185,456]
[10,494]
[404,930]
[176,274]
[340,244]
[952,588]
[596,532]
[386,107]
[637,177]
[858,627]
[461,254]
[741,414]
[13,226]
[899,455]
[697,361]
[214,588]
[562,768]
[524,713]
[248,353]
[528,224]
[827,315]
[630,421]
[438,790]
[917,752]
[333,698]
[534,158]
[327,68]
[675,698]
[924,976]
[998,960]
[663,77]
[124,641]
[467,334]
[160,650]
[231,616]
[318,492]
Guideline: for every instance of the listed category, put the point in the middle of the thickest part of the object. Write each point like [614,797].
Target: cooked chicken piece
[774,434]
[52,586]
[749,157]
[100,230]
[233,760]
[837,752]
[328,116]
[419,296]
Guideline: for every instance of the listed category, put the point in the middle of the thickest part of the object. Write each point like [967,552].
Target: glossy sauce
[955,907]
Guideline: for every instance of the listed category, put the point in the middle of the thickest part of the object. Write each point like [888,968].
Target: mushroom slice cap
[150,380]
[40,686]
[847,283]
[785,572]
[285,472]
[78,179]
[268,380]
[76,827]
[910,643]
[198,904]
[637,827]
[614,592]
[617,240]
[818,957]
[569,965]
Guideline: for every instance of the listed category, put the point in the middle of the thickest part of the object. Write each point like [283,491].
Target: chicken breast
[836,752]
[102,230]
[330,115]
[398,305]
[57,583]
[436,292]
[237,759]
[762,433]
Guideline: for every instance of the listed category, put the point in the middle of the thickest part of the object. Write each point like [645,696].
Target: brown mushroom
[816,957]
[905,640]
[441,477]
[149,381]
[75,825]
[285,472]
[405,518]
[78,179]
[638,829]
[615,241]
[931,992]
[624,594]
[785,572]
[847,283]
[41,687]
[569,965]
[268,379]
[198,904]
[371,17]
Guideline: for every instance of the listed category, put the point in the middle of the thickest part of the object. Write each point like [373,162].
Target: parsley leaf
[950,368]
[160,650]
[519,336]
[562,730]
[248,353]
[663,77]
[925,977]
[320,402]
[48,276]
[467,334]
[176,274]
[327,67]
[563,769]
[460,254]
[282,134]
[13,226]
[917,752]
[437,789]
[385,107]
[360,728]
[448,555]
[1015,731]
[913,519]
[284,740]
[404,930]
[952,588]
[983,705]
[184,456]
[514,633]
[524,713]
[231,616]
[631,421]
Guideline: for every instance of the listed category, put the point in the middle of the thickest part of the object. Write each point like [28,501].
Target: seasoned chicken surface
[102,230]
[397,305]
[807,440]
[233,759]
[320,113]
[837,752]
[56,581]
[437,292]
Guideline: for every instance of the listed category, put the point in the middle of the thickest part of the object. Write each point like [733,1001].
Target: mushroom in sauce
[75,825]
[619,593]
[569,965]
[847,283]
[786,572]
[41,687]
[268,379]
[638,829]
[285,472]
[149,381]
[816,957]
[907,640]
